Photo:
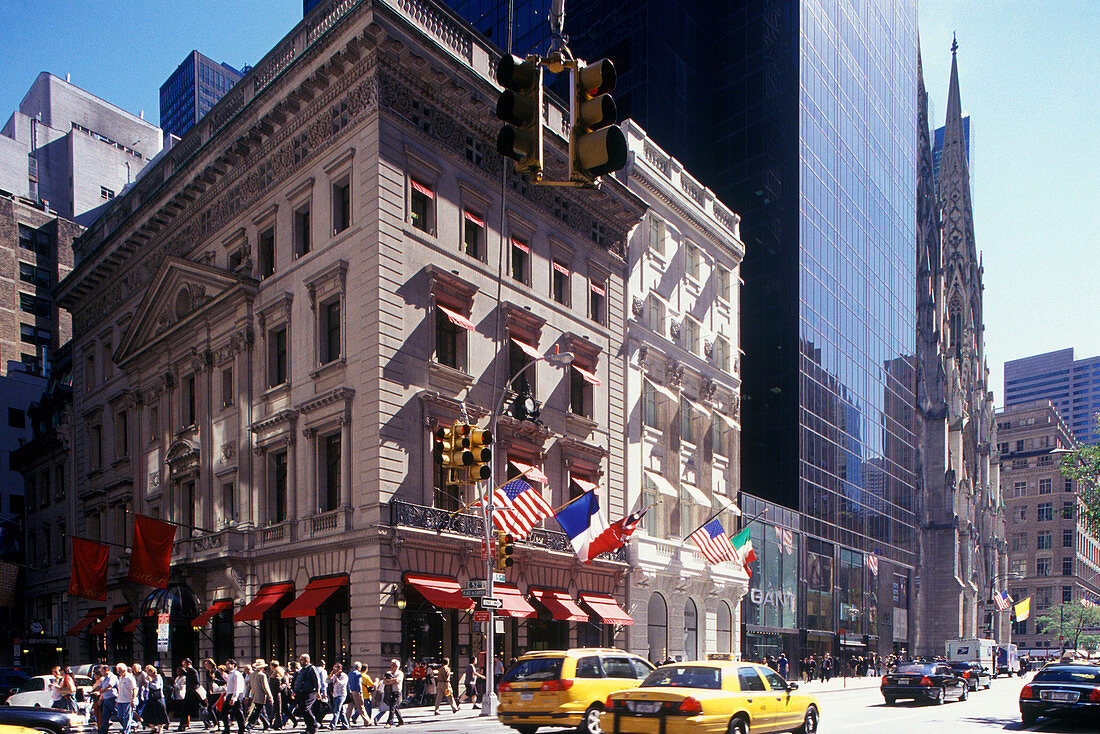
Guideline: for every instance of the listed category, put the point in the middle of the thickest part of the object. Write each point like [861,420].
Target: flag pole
[474,501]
[172,522]
[750,522]
[101,542]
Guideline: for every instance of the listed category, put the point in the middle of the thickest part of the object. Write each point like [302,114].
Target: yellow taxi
[566,687]
[704,696]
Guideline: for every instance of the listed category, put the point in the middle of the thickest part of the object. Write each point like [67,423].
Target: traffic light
[520,105]
[505,548]
[596,144]
[478,442]
[450,451]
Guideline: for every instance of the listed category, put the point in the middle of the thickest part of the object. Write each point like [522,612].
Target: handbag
[201,691]
[219,703]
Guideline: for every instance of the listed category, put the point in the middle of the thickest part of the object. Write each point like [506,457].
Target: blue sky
[1029,74]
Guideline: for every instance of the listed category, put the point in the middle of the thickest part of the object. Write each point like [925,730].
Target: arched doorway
[691,631]
[658,628]
[181,605]
[724,625]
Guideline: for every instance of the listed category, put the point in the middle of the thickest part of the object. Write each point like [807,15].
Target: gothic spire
[954,140]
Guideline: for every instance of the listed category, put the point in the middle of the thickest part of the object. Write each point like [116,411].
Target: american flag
[872,563]
[1089,603]
[786,539]
[713,542]
[527,508]
[1002,600]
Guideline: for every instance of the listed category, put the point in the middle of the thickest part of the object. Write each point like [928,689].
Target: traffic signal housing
[444,451]
[505,548]
[479,441]
[596,144]
[520,106]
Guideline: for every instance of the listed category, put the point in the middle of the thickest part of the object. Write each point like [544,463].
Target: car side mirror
[792,686]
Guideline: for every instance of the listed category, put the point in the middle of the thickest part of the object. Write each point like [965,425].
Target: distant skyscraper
[1072,385]
[937,147]
[192,90]
[308,5]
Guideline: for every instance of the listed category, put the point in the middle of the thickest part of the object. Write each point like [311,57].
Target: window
[1067,538]
[518,359]
[1042,566]
[154,423]
[597,302]
[691,630]
[330,488]
[657,235]
[1019,463]
[17,418]
[35,306]
[559,282]
[277,508]
[30,334]
[725,627]
[341,205]
[693,258]
[37,276]
[276,356]
[1045,511]
[1068,509]
[1020,445]
[1019,489]
[1067,566]
[1002,448]
[588,667]
[722,438]
[654,523]
[1068,487]
[95,438]
[59,484]
[689,332]
[724,283]
[1067,594]
[1045,486]
[301,231]
[32,364]
[122,434]
[1021,514]
[1043,595]
[35,240]
[657,632]
[687,422]
[105,193]
[266,253]
[1019,542]
[450,340]
[227,387]
[1045,460]
[722,354]
[581,380]
[655,314]
[330,331]
[229,510]
[1043,540]
[473,235]
[421,198]
[521,261]
[187,401]
[651,406]
[1018,566]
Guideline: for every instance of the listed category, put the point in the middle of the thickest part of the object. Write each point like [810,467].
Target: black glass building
[194,87]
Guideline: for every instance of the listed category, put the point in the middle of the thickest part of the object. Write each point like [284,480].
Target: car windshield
[1069,674]
[534,669]
[32,684]
[685,676]
[922,668]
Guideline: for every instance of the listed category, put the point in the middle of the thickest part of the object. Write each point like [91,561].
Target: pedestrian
[812,667]
[443,687]
[306,685]
[142,692]
[392,681]
[234,694]
[320,708]
[155,715]
[213,687]
[339,680]
[126,695]
[260,696]
[783,666]
[66,689]
[107,696]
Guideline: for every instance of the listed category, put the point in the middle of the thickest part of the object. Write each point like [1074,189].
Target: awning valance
[697,406]
[607,608]
[456,318]
[86,621]
[132,626]
[512,602]
[561,605]
[527,349]
[584,484]
[268,596]
[116,613]
[530,472]
[589,377]
[315,594]
[443,592]
[663,485]
[697,495]
[663,390]
[203,619]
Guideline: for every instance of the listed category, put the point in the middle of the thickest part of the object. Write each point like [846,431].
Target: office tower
[1072,385]
[194,87]
[308,5]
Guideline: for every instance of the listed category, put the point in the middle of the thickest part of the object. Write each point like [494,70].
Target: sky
[1029,74]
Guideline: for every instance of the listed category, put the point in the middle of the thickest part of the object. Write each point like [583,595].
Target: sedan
[974,674]
[1063,690]
[712,697]
[935,682]
[48,721]
[36,692]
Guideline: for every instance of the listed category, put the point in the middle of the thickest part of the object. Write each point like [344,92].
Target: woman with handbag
[154,715]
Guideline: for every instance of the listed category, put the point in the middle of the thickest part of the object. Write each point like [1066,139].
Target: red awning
[203,619]
[529,350]
[116,613]
[439,590]
[608,609]
[268,596]
[584,484]
[422,189]
[85,621]
[561,605]
[132,627]
[589,377]
[530,472]
[316,593]
[456,318]
[513,603]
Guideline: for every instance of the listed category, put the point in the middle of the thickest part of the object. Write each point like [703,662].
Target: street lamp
[489,700]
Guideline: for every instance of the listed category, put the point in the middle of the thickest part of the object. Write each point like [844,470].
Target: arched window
[725,627]
[691,631]
[658,628]
[954,326]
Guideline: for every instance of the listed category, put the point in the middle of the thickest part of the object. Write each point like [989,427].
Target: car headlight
[76,720]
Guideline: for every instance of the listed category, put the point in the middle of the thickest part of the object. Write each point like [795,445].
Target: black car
[935,682]
[1064,690]
[49,721]
[974,674]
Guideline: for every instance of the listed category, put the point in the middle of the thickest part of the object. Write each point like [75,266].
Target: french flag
[583,522]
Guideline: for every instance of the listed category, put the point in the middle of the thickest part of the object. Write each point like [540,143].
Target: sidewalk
[839,684]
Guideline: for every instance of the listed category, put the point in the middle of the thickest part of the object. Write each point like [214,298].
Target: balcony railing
[435,519]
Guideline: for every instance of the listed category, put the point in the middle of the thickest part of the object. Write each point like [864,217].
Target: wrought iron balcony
[435,519]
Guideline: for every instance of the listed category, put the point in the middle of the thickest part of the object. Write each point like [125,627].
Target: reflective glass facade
[192,90]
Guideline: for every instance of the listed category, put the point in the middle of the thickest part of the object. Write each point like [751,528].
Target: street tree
[1083,466]
[1074,624]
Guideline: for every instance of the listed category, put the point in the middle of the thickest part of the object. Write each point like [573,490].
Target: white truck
[979,650]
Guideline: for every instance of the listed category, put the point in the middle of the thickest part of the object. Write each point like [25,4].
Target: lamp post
[489,700]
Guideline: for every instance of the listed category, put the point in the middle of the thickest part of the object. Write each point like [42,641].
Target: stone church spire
[930,394]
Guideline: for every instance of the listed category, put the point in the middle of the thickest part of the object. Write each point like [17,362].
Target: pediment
[181,290]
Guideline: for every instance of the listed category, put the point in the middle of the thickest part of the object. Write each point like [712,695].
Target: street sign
[489,602]
[474,593]
[162,632]
[498,578]
[482,615]
[477,584]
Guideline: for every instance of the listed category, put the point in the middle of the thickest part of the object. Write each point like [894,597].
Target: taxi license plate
[526,697]
[643,707]
[1067,696]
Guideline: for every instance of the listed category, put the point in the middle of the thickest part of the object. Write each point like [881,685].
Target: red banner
[89,576]
[152,552]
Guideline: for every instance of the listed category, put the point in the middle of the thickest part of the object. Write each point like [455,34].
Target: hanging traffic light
[596,144]
[479,442]
[505,548]
[450,450]
[520,105]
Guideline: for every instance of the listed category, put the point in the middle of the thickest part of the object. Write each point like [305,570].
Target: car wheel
[809,722]
[739,726]
[526,729]
[964,694]
[890,700]
[1028,719]
[590,722]
[941,696]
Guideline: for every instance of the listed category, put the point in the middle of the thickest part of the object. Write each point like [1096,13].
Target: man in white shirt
[106,688]
[126,693]
[234,694]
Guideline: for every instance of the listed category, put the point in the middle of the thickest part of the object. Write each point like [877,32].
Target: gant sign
[773,597]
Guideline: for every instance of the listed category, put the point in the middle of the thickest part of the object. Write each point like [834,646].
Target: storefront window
[691,631]
[658,628]
[851,591]
[330,630]
[772,600]
[819,587]
[725,627]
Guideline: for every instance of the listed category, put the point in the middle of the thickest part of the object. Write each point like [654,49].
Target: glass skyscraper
[192,90]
